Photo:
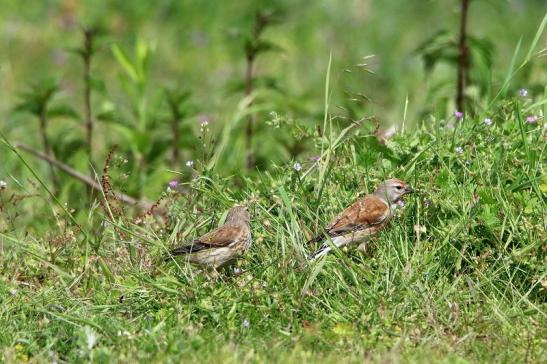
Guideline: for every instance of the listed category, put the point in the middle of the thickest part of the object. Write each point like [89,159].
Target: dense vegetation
[218,104]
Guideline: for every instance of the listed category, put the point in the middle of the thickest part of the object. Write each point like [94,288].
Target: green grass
[459,276]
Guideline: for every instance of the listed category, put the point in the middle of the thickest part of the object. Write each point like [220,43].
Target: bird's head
[238,213]
[393,190]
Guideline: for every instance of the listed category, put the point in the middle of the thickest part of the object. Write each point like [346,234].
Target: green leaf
[62,111]
[263,46]
[124,61]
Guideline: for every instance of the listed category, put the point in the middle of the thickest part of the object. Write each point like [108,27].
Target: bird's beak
[408,189]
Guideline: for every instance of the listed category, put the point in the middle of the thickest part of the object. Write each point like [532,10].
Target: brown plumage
[364,218]
[221,246]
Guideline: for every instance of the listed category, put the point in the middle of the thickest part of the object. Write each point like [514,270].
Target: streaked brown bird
[364,218]
[221,246]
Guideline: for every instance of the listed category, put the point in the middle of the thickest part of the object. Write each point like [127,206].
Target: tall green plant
[136,72]
[254,45]
[134,80]
[37,100]
[86,52]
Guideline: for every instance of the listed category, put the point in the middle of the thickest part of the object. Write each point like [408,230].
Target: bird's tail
[169,257]
[325,249]
[185,249]
[316,239]
[328,245]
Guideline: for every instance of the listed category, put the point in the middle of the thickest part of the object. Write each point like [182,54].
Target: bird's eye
[398,187]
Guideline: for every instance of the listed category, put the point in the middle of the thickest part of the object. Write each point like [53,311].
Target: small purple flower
[315,158]
[173,183]
[458,114]
[532,119]
[487,121]
[297,167]
[523,92]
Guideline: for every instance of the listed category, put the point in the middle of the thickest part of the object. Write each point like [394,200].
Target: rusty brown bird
[364,218]
[221,246]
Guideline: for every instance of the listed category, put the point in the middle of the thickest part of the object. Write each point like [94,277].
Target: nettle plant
[87,52]
[471,56]
[39,101]
[256,88]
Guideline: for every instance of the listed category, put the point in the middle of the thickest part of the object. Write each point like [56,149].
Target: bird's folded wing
[365,212]
[223,236]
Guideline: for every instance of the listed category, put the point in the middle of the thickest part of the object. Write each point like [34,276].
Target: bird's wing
[366,211]
[223,236]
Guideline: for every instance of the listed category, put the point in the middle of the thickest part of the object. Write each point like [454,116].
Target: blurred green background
[198,46]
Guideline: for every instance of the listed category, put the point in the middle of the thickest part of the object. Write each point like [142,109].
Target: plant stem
[47,147]
[142,204]
[176,141]
[252,49]
[250,118]
[87,55]
[463,58]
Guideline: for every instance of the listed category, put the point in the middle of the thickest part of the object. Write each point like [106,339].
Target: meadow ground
[458,277]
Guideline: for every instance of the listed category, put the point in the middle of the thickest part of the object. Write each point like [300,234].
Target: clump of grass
[459,274]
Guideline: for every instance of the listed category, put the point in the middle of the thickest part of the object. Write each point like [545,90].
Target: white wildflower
[91,337]
[246,324]
[297,167]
